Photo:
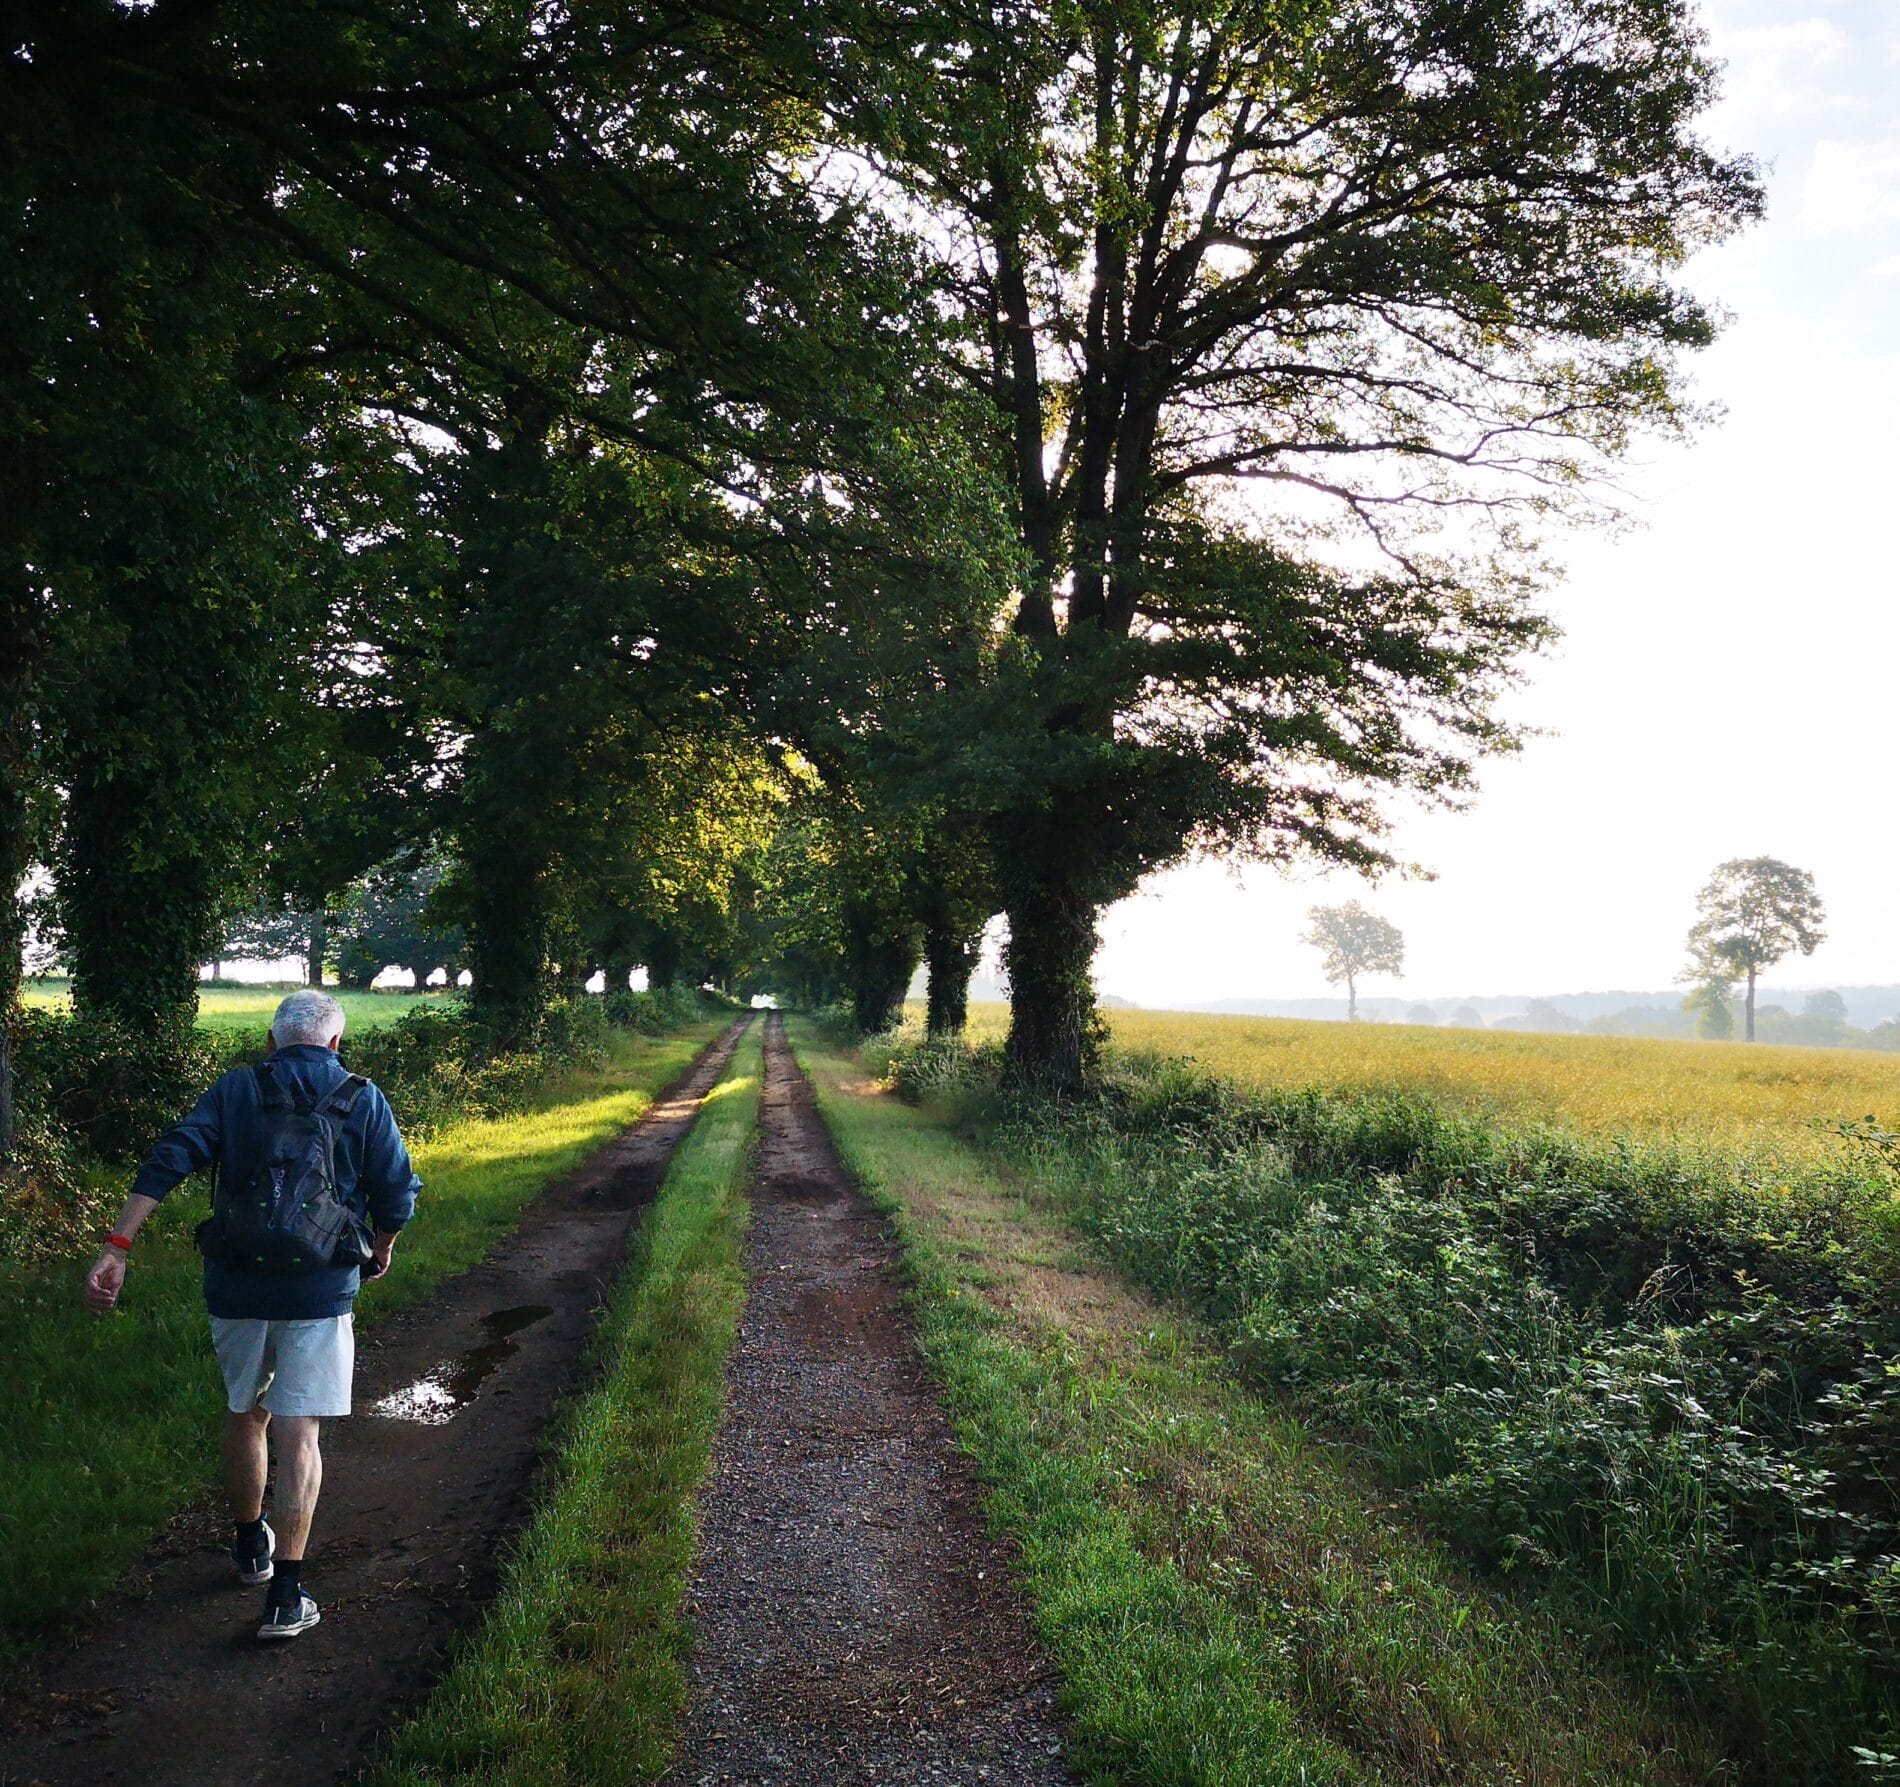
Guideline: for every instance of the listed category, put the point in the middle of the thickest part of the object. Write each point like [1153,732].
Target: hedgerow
[95,1093]
[1656,1385]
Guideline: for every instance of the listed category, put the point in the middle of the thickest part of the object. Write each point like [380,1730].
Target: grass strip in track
[578,1671]
[1227,1605]
[112,1424]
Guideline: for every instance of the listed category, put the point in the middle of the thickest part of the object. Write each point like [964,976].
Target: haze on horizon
[1725,683]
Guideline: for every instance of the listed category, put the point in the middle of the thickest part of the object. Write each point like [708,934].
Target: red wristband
[114,1239]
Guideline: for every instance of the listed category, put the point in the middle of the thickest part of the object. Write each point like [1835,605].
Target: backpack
[288,1216]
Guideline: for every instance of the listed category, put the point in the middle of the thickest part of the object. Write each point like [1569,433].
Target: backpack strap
[270,1089]
[341,1101]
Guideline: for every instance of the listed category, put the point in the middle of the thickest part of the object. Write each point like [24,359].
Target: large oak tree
[1289,315]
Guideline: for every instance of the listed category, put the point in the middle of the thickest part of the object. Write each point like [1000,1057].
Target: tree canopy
[758,493]
[1353,942]
[1752,912]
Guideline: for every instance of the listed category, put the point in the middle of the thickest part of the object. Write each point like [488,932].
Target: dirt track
[853,1620]
[175,1688]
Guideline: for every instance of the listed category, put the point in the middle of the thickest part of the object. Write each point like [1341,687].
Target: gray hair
[307,1016]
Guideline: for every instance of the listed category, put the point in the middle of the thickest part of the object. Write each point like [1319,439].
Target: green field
[228,1008]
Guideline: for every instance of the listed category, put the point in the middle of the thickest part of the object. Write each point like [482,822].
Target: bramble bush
[1661,1387]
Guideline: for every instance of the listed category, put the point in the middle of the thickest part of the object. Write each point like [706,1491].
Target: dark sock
[284,1585]
[250,1535]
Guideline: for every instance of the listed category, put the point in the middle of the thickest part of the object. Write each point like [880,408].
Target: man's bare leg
[287,1609]
[299,1478]
[246,1458]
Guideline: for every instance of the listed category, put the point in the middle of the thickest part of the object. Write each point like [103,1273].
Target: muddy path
[175,1688]
[853,1621]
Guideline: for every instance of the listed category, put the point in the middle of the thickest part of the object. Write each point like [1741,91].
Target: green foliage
[657,1010]
[387,925]
[1712,1004]
[1659,1389]
[110,1085]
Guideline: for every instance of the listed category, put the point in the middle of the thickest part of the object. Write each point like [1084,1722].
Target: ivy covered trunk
[879,978]
[663,961]
[950,959]
[140,890]
[508,930]
[881,954]
[1054,1029]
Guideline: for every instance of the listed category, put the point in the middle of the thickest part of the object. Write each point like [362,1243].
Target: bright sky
[1729,680]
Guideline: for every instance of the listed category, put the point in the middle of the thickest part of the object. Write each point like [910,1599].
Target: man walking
[313,1184]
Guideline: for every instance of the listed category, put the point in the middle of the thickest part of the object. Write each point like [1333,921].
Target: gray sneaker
[286,1619]
[254,1566]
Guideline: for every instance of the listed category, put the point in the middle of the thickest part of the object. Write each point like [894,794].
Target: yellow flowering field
[1736,1097]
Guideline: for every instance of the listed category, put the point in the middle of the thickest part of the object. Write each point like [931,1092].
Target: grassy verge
[578,1672]
[113,1423]
[1226,1601]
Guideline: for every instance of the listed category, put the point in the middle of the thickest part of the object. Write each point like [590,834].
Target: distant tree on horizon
[1421,1014]
[1352,942]
[1754,910]
[1468,1017]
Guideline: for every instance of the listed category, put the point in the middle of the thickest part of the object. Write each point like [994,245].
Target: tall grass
[1662,1388]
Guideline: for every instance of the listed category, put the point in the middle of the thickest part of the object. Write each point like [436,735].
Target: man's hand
[381,1246]
[105,1281]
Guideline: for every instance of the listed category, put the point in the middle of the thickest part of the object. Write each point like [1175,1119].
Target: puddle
[440,1394]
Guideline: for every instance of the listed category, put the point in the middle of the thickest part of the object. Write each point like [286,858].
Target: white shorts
[287,1368]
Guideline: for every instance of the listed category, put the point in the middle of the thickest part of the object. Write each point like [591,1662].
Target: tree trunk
[881,958]
[1352,1001]
[1054,1029]
[1751,1005]
[139,894]
[507,936]
[316,948]
[950,957]
[877,988]
[663,961]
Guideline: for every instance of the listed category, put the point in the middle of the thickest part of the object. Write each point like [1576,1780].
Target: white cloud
[1772,68]
[1852,186]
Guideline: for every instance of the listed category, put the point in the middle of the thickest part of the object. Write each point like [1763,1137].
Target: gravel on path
[854,1621]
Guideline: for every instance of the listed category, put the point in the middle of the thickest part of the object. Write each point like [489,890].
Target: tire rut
[174,1688]
[854,1620]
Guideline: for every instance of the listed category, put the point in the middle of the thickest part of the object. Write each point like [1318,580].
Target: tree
[1421,1014]
[1712,1004]
[389,924]
[1468,1017]
[1827,1011]
[1227,283]
[1353,942]
[1753,911]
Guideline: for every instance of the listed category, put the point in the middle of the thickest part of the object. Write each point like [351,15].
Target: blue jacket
[226,1129]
